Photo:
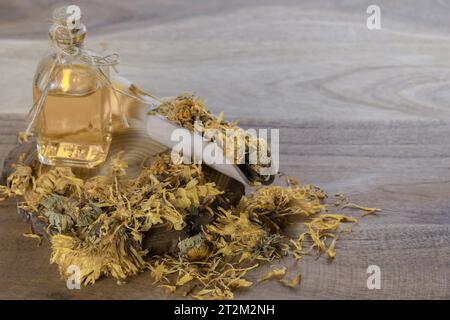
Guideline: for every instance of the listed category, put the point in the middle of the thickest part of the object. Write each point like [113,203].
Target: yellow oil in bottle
[74,125]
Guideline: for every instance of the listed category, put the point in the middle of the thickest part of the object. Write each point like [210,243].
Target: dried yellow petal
[331,253]
[184,279]
[358,207]
[33,236]
[240,283]
[275,273]
[294,282]
[169,289]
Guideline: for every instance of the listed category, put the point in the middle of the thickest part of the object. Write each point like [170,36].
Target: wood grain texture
[360,112]
[399,166]
[295,60]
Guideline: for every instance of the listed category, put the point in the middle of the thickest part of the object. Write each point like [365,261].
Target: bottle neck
[65,38]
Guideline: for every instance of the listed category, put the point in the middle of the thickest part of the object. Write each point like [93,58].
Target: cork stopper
[64,34]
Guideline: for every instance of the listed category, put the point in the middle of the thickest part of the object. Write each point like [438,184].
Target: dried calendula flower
[59,180]
[20,180]
[194,248]
[114,254]
[275,205]
[61,212]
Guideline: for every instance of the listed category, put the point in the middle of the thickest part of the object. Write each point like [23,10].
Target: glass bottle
[73,122]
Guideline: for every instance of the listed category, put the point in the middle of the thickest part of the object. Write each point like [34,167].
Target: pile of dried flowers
[189,110]
[99,223]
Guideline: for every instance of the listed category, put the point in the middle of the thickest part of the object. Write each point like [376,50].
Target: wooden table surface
[361,112]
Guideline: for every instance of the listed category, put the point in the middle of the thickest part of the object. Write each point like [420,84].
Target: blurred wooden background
[361,112]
